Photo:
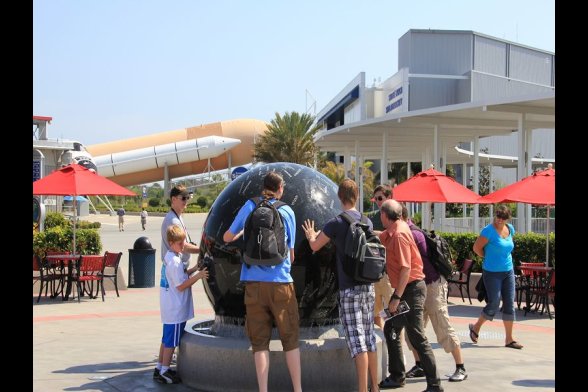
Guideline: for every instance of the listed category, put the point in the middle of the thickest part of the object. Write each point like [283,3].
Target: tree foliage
[289,138]
[336,172]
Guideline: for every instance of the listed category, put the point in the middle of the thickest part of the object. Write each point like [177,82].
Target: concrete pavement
[113,345]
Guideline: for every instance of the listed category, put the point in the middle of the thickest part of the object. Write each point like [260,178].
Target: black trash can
[142,264]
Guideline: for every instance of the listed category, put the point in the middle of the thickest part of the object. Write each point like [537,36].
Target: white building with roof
[455,93]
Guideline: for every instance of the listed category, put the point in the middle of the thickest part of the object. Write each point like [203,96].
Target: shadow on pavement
[106,367]
[535,383]
[132,381]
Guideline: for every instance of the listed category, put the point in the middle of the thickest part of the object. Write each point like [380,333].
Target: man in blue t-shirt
[121,218]
[269,292]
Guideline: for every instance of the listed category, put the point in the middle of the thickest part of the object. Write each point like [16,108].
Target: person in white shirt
[143,218]
[175,302]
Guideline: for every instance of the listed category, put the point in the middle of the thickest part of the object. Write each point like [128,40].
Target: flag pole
[74,224]
[547,242]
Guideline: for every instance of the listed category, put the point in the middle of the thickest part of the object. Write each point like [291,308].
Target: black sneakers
[156,372]
[169,377]
[416,371]
[390,383]
[459,375]
[434,389]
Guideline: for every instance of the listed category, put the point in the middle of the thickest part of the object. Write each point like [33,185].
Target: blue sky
[107,70]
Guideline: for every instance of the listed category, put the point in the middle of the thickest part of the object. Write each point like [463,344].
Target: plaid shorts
[356,311]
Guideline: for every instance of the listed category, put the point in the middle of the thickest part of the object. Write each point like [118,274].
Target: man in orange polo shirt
[405,271]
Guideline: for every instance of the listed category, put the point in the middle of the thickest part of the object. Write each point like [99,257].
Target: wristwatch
[395,296]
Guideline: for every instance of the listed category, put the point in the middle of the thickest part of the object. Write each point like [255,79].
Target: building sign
[36,170]
[394,93]
[237,172]
[394,100]
[144,192]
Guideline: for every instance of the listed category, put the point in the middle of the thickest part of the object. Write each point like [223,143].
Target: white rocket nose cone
[218,142]
[228,142]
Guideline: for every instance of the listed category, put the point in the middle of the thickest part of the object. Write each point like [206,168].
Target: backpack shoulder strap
[347,217]
[256,200]
[350,219]
[278,204]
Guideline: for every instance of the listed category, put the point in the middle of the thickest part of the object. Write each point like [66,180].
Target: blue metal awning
[345,101]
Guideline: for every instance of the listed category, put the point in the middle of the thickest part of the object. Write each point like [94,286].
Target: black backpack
[365,256]
[264,234]
[439,253]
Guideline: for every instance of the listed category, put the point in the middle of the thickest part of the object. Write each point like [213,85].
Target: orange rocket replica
[187,151]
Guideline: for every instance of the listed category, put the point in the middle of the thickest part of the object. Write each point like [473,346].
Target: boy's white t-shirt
[175,306]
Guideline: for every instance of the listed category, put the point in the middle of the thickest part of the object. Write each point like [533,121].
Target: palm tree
[335,171]
[288,138]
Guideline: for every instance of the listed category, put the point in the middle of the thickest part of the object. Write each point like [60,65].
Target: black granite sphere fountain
[312,196]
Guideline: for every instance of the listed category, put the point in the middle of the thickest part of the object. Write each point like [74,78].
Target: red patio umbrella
[435,187]
[538,188]
[76,180]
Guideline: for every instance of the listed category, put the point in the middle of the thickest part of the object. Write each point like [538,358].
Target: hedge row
[57,219]
[61,239]
[191,208]
[529,247]
[58,236]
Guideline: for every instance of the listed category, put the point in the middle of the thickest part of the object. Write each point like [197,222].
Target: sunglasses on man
[379,198]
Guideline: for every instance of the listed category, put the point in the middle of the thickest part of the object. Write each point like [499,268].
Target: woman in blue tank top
[495,246]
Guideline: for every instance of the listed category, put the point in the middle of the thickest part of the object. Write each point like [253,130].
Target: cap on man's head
[179,191]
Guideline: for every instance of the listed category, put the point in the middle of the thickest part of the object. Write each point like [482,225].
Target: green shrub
[88,225]
[417,219]
[132,208]
[61,239]
[202,201]
[55,219]
[154,202]
[529,247]
[195,208]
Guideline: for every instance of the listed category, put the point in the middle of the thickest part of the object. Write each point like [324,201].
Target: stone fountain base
[212,363]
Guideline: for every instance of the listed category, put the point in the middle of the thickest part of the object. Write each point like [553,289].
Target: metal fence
[466,225]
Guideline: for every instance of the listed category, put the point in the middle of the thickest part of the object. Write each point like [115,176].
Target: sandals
[514,344]
[474,335]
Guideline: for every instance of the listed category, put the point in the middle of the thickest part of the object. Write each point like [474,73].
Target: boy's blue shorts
[172,334]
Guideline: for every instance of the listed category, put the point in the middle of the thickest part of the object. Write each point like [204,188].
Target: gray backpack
[365,256]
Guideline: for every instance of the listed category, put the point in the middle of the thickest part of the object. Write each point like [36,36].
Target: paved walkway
[113,345]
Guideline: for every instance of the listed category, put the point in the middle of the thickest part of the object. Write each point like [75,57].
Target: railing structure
[465,225]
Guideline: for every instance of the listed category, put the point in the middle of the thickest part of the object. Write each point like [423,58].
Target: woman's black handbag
[481,289]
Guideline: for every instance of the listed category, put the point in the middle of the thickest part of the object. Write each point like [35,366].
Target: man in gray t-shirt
[179,200]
